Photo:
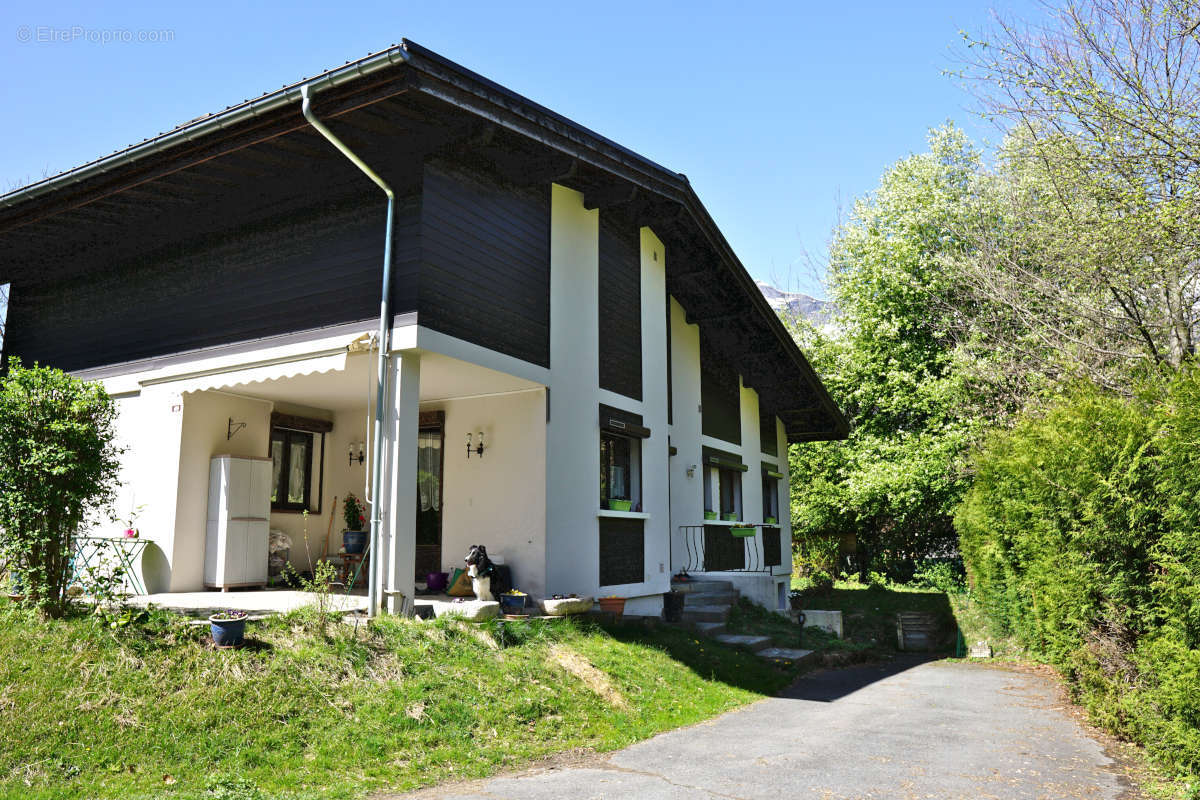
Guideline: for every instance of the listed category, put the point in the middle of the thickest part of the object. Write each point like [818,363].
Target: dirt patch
[592,678]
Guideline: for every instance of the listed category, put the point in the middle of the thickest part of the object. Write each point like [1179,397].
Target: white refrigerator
[239,518]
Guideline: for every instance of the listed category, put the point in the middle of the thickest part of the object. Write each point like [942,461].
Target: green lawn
[154,711]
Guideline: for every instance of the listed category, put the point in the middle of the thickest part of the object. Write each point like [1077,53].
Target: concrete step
[785,654]
[752,643]
[709,628]
[705,613]
[710,599]
[698,586]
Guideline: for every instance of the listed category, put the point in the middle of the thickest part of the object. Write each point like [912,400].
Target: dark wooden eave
[434,108]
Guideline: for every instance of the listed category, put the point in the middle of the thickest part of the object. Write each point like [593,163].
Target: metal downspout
[385,311]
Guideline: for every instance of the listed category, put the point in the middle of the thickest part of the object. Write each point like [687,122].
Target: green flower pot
[620,505]
[710,515]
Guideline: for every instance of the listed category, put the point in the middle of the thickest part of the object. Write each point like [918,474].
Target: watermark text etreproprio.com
[50,34]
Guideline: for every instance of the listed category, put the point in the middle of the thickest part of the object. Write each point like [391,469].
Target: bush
[58,467]
[1081,537]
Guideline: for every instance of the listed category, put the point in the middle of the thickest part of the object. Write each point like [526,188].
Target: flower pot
[742,532]
[620,505]
[771,521]
[710,515]
[227,632]
[354,541]
[673,606]
[612,605]
[512,603]
[730,517]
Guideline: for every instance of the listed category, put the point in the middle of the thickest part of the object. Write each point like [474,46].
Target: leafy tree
[1098,269]
[895,364]
[58,466]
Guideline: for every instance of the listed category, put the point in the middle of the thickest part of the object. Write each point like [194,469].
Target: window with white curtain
[429,470]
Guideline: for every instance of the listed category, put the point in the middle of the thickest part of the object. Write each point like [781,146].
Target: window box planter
[730,517]
[710,515]
[742,531]
[620,505]
[612,605]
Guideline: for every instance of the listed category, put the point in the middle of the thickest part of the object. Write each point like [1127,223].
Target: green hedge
[1081,535]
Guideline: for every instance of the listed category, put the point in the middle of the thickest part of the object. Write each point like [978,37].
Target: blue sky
[779,113]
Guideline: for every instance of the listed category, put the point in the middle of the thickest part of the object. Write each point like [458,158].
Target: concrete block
[829,621]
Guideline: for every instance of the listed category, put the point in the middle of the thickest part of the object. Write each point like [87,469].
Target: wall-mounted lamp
[477,448]
[356,453]
[691,471]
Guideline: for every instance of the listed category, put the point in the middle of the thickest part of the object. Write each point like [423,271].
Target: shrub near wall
[1081,535]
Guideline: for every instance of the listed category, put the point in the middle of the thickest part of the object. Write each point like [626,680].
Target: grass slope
[153,711]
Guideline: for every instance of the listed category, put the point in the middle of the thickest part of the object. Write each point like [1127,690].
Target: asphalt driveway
[904,730]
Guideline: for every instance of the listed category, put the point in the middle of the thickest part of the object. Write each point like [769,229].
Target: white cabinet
[239,511]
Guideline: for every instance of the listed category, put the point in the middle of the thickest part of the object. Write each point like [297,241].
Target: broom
[329,530]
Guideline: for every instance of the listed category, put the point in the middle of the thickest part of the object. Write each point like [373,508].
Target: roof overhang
[710,281]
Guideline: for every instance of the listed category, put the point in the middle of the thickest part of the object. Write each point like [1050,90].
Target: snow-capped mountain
[819,312]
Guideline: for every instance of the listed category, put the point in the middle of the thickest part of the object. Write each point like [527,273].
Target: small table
[94,554]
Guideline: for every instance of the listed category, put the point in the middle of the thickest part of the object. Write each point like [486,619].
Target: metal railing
[716,548]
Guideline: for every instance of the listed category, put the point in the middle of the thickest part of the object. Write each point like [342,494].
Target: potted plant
[771,521]
[228,627]
[620,505]
[742,531]
[613,605]
[730,516]
[354,537]
[673,606]
[711,515]
[513,602]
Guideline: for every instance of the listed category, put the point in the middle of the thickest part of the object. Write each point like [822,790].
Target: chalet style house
[402,281]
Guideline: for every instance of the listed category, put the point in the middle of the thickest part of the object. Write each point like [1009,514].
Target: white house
[563,333]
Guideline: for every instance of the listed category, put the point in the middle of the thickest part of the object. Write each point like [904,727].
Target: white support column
[397,556]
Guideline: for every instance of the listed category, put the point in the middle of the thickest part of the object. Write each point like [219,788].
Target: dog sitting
[481,570]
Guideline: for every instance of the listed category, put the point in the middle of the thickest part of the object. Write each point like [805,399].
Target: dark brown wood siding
[622,551]
[720,396]
[308,270]
[772,539]
[723,550]
[485,253]
[768,436]
[620,306]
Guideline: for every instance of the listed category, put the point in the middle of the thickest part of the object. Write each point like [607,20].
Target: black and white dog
[482,572]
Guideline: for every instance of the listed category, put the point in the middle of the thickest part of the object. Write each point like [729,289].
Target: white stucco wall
[149,425]
[203,435]
[573,432]
[687,491]
[498,500]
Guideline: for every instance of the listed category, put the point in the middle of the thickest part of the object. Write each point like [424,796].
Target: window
[770,493]
[723,491]
[620,470]
[292,462]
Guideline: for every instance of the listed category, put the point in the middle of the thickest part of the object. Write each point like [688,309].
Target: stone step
[698,586]
[709,628]
[710,599]
[705,613]
[749,642]
[786,654]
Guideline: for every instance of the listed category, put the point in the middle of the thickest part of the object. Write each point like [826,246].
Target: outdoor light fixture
[477,448]
[356,456]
